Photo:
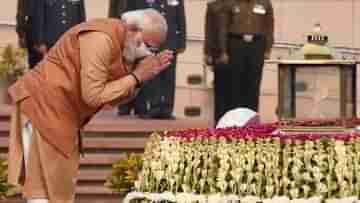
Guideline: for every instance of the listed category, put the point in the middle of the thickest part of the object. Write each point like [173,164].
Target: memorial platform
[107,138]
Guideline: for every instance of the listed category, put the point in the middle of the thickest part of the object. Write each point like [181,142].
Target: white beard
[133,52]
[130,52]
[142,51]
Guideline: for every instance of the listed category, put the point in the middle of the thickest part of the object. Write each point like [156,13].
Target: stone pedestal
[316,89]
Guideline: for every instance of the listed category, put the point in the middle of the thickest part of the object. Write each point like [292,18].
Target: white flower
[223,186]
[294,192]
[186,188]
[216,198]
[332,201]
[314,200]
[168,196]
[204,173]
[269,190]
[159,175]
[231,198]
[299,201]
[268,200]
[340,148]
[237,174]
[281,199]
[243,188]
[250,199]
[322,188]
[137,185]
[222,175]
[201,199]
[133,195]
[183,198]
[348,199]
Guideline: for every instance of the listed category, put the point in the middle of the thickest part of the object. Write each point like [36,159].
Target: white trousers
[26,142]
[38,201]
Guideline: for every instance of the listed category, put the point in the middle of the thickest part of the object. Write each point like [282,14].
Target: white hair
[147,20]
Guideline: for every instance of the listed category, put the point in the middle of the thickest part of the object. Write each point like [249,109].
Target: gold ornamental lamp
[316,46]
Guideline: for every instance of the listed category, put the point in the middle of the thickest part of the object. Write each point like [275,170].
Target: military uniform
[116,8]
[51,18]
[156,99]
[21,22]
[211,44]
[247,35]
[212,54]
[24,19]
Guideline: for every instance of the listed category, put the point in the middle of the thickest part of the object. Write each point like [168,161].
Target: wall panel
[335,16]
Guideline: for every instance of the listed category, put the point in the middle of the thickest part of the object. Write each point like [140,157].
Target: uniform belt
[246,37]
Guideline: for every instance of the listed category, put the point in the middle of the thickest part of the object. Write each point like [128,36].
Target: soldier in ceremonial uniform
[156,99]
[116,8]
[21,22]
[52,18]
[212,57]
[247,35]
[24,19]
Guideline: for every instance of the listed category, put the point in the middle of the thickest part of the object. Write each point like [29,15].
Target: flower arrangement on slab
[251,164]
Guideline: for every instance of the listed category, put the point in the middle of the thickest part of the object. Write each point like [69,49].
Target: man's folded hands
[150,66]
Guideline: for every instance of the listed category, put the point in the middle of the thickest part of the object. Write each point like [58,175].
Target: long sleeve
[181,20]
[269,28]
[122,7]
[207,27]
[224,22]
[117,8]
[82,11]
[112,8]
[97,90]
[38,21]
[20,18]
[130,5]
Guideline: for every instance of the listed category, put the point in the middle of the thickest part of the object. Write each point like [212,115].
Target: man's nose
[139,39]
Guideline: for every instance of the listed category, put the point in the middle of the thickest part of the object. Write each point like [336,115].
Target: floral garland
[124,174]
[216,198]
[348,122]
[6,189]
[255,161]
[13,63]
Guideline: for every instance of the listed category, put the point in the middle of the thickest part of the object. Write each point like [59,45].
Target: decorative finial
[317,28]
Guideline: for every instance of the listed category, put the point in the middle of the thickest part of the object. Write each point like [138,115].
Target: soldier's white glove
[224,59]
[208,60]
